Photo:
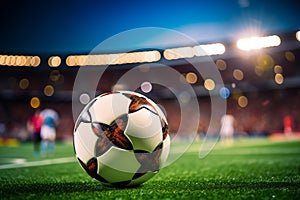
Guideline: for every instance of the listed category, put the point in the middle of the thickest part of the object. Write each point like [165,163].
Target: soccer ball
[121,138]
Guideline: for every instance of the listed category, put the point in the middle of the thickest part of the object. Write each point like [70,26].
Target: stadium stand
[267,80]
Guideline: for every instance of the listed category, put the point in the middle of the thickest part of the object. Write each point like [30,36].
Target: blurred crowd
[266,113]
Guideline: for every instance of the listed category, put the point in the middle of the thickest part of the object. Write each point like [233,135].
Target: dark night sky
[74,26]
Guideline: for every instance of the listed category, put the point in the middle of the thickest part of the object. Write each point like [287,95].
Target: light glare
[253,43]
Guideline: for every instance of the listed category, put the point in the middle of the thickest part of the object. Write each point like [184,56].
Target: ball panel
[102,146]
[91,168]
[107,108]
[138,102]
[146,144]
[119,160]
[80,150]
[85,134]
[148,161]
[113,175]
[112,134]
[144,130]
[165,128]
[143,123]
[165,151]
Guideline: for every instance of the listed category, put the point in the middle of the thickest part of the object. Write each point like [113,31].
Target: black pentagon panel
[149,161]
[103,144]
[111,135]
[138,103]
[165,128]
[91,168]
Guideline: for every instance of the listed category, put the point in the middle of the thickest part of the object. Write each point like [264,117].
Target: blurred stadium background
[255,45]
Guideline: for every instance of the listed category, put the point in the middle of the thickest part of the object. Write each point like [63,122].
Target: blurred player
[227,129]
[48,131]
[288,124]
[34,125]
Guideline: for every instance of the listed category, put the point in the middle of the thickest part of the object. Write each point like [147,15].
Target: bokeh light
[71,61]
[35,61]
[191,77]
[298,35]
[178,53]
[264,62]
[146,87]
[224,92]
[54,61]
[2,59]
[238,74]
[113,59]
[289,56]
[12,60]
[279,78]
[243,101]
[24,83]
[21,61]
[209,49]
[278,69]
[209,84]
[84,98]
[55,75]
[48,90]
[221,64]
[35,102]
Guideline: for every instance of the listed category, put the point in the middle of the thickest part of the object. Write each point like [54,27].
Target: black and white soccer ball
[121,138]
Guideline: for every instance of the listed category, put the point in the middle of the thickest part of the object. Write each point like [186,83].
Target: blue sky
[75,26]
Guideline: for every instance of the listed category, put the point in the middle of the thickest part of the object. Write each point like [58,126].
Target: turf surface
[250,169]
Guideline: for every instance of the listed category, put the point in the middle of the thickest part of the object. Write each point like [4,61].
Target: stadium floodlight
[199,50]
[113,59]
[20,61]
[253,43]
[178,53]
[209,49]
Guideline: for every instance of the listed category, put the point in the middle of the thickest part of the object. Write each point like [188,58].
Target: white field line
[13,160]
[39,163]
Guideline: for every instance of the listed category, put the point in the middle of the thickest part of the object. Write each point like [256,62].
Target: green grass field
[250,169]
